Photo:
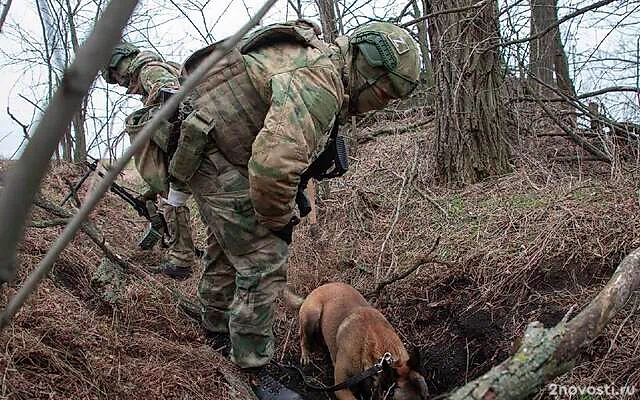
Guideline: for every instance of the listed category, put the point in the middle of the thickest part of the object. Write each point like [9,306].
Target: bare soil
[531,245]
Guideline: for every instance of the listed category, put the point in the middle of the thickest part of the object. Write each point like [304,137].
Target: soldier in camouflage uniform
[257,121]
[147,74]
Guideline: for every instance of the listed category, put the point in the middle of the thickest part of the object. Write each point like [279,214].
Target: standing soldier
[147,74]
[264,117]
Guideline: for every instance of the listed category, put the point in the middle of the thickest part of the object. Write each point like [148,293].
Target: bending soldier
[145,73]
[257,122]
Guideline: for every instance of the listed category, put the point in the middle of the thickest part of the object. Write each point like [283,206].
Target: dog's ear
[415,360]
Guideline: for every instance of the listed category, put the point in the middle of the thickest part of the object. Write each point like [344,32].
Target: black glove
[286,231]
[148,195]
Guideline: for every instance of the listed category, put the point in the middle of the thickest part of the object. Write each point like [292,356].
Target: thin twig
[573,136]
[432,201]
[426,259]
[393,131]
[25,127]
[450,11]
[567,17]
[399,203]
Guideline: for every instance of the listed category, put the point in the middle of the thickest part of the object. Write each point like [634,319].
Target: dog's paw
[305,359]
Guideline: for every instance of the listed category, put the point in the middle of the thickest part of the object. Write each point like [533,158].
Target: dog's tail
[292,300]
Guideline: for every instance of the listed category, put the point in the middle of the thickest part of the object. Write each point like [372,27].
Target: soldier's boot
[180,256]
[267,388]
[172,270]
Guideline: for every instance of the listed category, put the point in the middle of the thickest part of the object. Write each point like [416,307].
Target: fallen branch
[547,353]
[400,276]
[431,200]
[93,233]
[572,135]
[48,223]
[392,131]
[575,158]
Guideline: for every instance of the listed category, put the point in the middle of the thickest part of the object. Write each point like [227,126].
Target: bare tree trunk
[67,144]
[542,55]
[423,41]
[563,79]
[5,12]
[470,145]
[80,150]
[328,19]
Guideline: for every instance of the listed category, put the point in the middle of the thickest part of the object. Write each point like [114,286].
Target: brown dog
[357,336]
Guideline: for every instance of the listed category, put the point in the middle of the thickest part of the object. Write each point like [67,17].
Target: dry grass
[523,247]
[526,246]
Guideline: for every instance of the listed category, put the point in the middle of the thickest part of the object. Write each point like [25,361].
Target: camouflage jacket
[304,93]
[148,74]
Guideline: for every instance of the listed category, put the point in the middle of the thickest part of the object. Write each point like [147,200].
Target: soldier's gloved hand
[148,195]
[286,232]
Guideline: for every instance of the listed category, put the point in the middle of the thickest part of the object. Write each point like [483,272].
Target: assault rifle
[331,163]
[157,224]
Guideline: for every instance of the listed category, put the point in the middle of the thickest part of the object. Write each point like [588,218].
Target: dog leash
[375,369]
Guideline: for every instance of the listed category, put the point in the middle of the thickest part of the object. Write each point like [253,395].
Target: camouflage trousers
[181,250]
[244,264]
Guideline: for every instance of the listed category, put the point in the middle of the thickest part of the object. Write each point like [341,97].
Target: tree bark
[561,63]
[542,55]
[80,149]
[328,19]
[469,143]
[423,41]
[5,12]
[547,353]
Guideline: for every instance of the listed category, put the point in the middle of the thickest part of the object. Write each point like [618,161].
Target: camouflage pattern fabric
[151,161]
[305,93]
[245,264]
[296,91]
[181,248]
[148,74]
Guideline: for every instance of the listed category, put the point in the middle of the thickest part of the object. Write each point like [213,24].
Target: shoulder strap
[302,31]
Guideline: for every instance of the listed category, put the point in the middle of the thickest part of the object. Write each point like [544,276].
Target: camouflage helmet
[122,50]
[388,46]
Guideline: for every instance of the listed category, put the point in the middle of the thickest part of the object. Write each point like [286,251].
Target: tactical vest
[227,108]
